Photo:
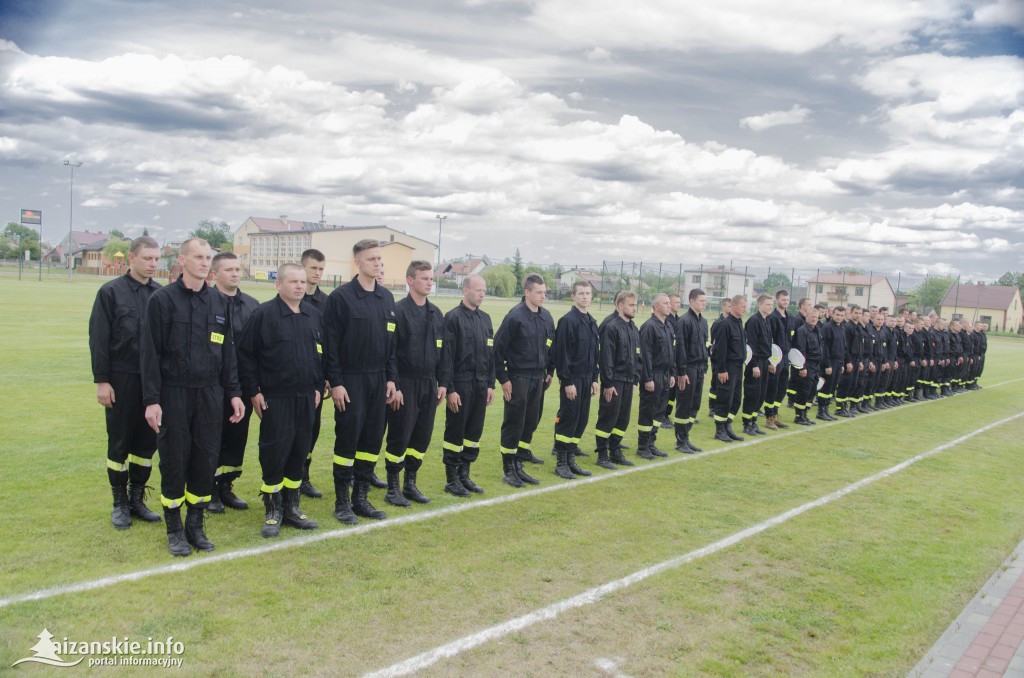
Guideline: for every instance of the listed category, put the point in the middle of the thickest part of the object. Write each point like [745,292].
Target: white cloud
[794,116]
[1000,13]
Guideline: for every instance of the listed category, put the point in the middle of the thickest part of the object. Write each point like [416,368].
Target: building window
[696,280]
[858,291]
[958,316]
[820,288]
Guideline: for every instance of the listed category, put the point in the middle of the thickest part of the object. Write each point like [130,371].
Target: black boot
[227,495]
[510,477]
[729,432]
[361,506]
[643,447]
[409,488]
[562,465]
[748,428]
[578,452]
[689,443]
[394,494]
[527,455]
[272,522]
[843,412]
[194,529]
[375,481]
[290,513]
[466,481]
[720,433]
[215,505]
[821,413]
[681,445]
[652,447]
[517,464]
[453,485]
[570,460]
[603,461]
[121,516]
[176,543]
[616,457]
[342,503]
[306,487]
[137,504]
[755,429]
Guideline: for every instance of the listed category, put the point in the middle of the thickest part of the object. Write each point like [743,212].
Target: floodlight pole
[71,215]
[440,224]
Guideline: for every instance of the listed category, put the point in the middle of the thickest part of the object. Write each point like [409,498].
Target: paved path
[987,639]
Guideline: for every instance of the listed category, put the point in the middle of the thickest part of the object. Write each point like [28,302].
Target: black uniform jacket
[620,351]
[728,343]
[576,349]
[808,341]
[360,329]
[834,338]
[693,339]
[419,340]
[657,349]
[522,343]
[467,350]
[281,352]
[116,325]
[759,337]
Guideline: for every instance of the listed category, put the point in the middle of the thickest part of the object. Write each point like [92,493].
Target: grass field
[860,586]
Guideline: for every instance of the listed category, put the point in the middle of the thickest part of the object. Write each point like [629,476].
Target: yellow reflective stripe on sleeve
[342,461]
[507,450]
[391,327]
[271,489]
[221,470]
[707,344]
[562,439]
[139,461]
[415,454]
[547,342]
[371,457]
[451,446]
[114,466]
[195,498]
[292,484]
[618,432]
[394,458]
[490,342]
[440,343]
[601,434]
[171,503]
[471,443]
[217,337]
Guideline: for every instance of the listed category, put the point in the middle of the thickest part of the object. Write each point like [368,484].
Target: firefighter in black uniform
[875,362]
[755,375]
[280,364]
[956,356]
[522,363]
[360,329]
[313,262]
[910,359]
[658,367]
[692,343]
[846,399]
[808,341]
[467,359]
[114,329]
[226,275]
[675,303]
[726,307]
[728,351]
[834,339]
[782,324]
[188,368]
[620,370]
[864,375]
[575,354]
[419,340]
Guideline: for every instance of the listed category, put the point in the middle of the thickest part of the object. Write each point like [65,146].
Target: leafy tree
[518,272]
[217,234]
[851,270]
[501,282]
[16,238]
[115,234]
[115,245]
[775,281]
[1011,279]
[930,293]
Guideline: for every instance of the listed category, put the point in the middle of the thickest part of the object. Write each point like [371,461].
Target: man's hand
[340,397]
[105,394]
[828,371]
[442,391]
[490,396]
[454,402]
[397,400]
[154,417]
[239,410]
[391,392]
[803,373]
[871,368]
[771,368]
[594,389]
[756,372]
[849,368]
[570,392]
[723,377]
[547,382]
[316,398]
[609,393]
[684,381]
[671,382]
[506,390]
[649,386]
[259,404]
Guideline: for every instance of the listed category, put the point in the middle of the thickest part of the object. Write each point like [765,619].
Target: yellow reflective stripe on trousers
[394,458]
[271,489]
[562,439]
[292,484]
[471,443]
[196,499]
[718,418]
[171,503]
[221,470]
[114,466]
[140,461]
[507,450]
[415,454]
[368,456]
[644,428]
[343,461]
[618,432]
[601,434]
[523,445]
[451,446]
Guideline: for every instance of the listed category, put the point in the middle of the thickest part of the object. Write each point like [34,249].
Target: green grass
[862,586]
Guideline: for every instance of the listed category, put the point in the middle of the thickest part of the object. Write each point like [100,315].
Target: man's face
[661,306]
[473,293]
[228,274]
[674,303]
[314,270]
[422,283]
[782,302]
[293,287]
[628,308]
[765,307]
[812,316]
[145,262]
[582,296]
[699,304]
[739,308]
[370,263]
[536,294]
[196,261]
[726,307]
[838,316]
[855,315]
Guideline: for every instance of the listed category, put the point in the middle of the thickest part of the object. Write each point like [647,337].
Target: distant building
[74,245]
[997,305]
[843,289]
[718,283]
[457,271]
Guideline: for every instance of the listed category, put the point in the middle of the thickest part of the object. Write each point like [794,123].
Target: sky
[884,135]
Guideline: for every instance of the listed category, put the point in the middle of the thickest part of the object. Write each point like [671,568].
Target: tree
[115,245]
[517,272]
[17,238]
[1011,279]
[851,270]
[217,234]
[500,280]
[116,235]
[775,281]
[930,293]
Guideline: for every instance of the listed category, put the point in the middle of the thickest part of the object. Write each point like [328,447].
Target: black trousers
[463,429]
[613,416]
[317,421]
[411,427]
[778,383]
[729,395]
[359,430]
[522,414]
[285,432]
[233,439]
[189,443]
[573,415]
[652,403]
[831,386]
[131,443]
[861,385]
[755,390]
[805,387]
[688,400]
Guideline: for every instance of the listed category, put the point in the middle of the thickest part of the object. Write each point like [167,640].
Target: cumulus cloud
[794,116]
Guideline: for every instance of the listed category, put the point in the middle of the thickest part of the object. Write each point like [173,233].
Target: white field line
[590,596]
[347,532]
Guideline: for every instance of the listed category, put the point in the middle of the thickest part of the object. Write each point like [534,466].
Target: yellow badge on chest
[490,342]
[319,348]
[547,343]
[391,327]
[216,337]
[440,342]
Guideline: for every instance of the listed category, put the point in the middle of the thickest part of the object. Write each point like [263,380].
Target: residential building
[717,282]
[843,289]
[73,244]
[457,271]
[997,305]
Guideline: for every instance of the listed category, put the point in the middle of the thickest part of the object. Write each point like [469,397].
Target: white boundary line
[429,658]
[346,532]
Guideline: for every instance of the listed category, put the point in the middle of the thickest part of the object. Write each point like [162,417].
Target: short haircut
[726,301]
[623,296]
[658,297]
[673,295]
[763,298]
[532,280]
[221,256]
[803,300]
[416,266]
[468,281]
[363,245]
[580,284]
[141,242]
[839,309]
[872,307]
[283,269]
[781,293]
[697,292]
[821,307]
[315,255]
[187,245]
[884,309]
[855,307]
[738,298]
